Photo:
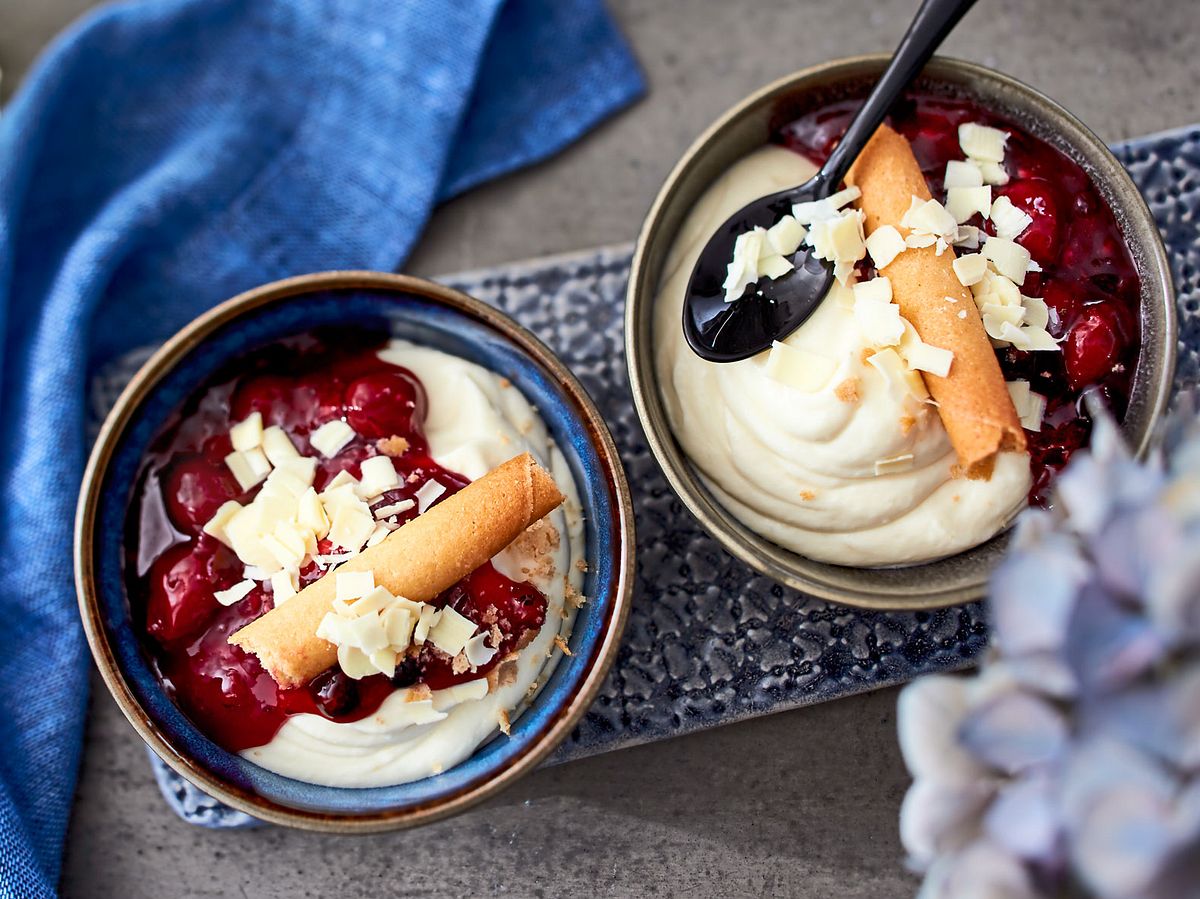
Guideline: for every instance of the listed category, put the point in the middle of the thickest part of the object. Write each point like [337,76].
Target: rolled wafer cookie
[973,400]
[417,561]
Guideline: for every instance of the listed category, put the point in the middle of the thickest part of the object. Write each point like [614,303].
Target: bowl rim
[640,366]
[139,387]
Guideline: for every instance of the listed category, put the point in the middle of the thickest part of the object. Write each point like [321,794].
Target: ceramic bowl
[749,125]
[427,314]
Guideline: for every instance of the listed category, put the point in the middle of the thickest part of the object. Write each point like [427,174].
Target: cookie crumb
[419,693]
[572,596]
[539,542]
[907,423]
[502,675]
[847,391]
[392,446]
[505,725]
[562,644]
[460,665]
[807,496]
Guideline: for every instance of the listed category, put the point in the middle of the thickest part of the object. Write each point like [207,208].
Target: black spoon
[726,332]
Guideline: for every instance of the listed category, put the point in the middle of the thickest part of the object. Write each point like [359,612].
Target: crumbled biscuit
[506,672]
[526,638]
[807,496]
[539,542]
[581,565]
[505,382]
[867,353]
[419,693]
[572,596]
[413,478]
[505,725]
[392,446]
[907,423]
[497,637]
[562,644]
[847,391]
[460,665]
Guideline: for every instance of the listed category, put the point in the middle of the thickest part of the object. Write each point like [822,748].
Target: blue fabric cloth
[166,155]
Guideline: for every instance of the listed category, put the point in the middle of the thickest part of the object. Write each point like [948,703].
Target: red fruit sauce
[1088,278]
[173,569]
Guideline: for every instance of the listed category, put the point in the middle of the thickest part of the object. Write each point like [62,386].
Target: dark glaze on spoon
[772,309]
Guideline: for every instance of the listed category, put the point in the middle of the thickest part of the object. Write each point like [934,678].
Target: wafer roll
[973,401]
[417,561]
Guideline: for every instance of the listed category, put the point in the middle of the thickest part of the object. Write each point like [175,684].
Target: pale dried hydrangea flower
[1070,764]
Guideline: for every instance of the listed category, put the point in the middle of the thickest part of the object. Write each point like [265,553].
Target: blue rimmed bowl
[427,314]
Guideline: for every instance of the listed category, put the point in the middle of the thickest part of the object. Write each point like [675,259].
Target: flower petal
[937,818]
[928,715]
[981,871]
[1033,593]
[1023,819]
[1108,643]
[1014,731]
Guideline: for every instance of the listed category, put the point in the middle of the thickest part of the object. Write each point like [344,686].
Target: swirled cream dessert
[357,560]
[882,431]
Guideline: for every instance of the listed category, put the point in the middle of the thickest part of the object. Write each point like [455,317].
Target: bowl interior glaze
[749,125]
[426,314]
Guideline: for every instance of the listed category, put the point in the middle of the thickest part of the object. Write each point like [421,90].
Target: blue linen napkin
[166,155]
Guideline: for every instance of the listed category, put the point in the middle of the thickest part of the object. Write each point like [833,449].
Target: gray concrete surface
[803,804]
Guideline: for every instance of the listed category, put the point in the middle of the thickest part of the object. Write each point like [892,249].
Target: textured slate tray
[709,641]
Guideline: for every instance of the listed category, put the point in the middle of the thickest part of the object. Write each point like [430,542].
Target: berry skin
[1038,198]
[385,404]
[182,583]
[1094,345]
[195,489]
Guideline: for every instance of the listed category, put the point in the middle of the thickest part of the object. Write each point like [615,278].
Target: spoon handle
[934,20]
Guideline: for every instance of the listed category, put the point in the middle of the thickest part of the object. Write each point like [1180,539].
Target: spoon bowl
[720,331]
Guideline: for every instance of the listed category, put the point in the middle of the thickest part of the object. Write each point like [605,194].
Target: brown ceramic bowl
[749,125]
[427,314]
